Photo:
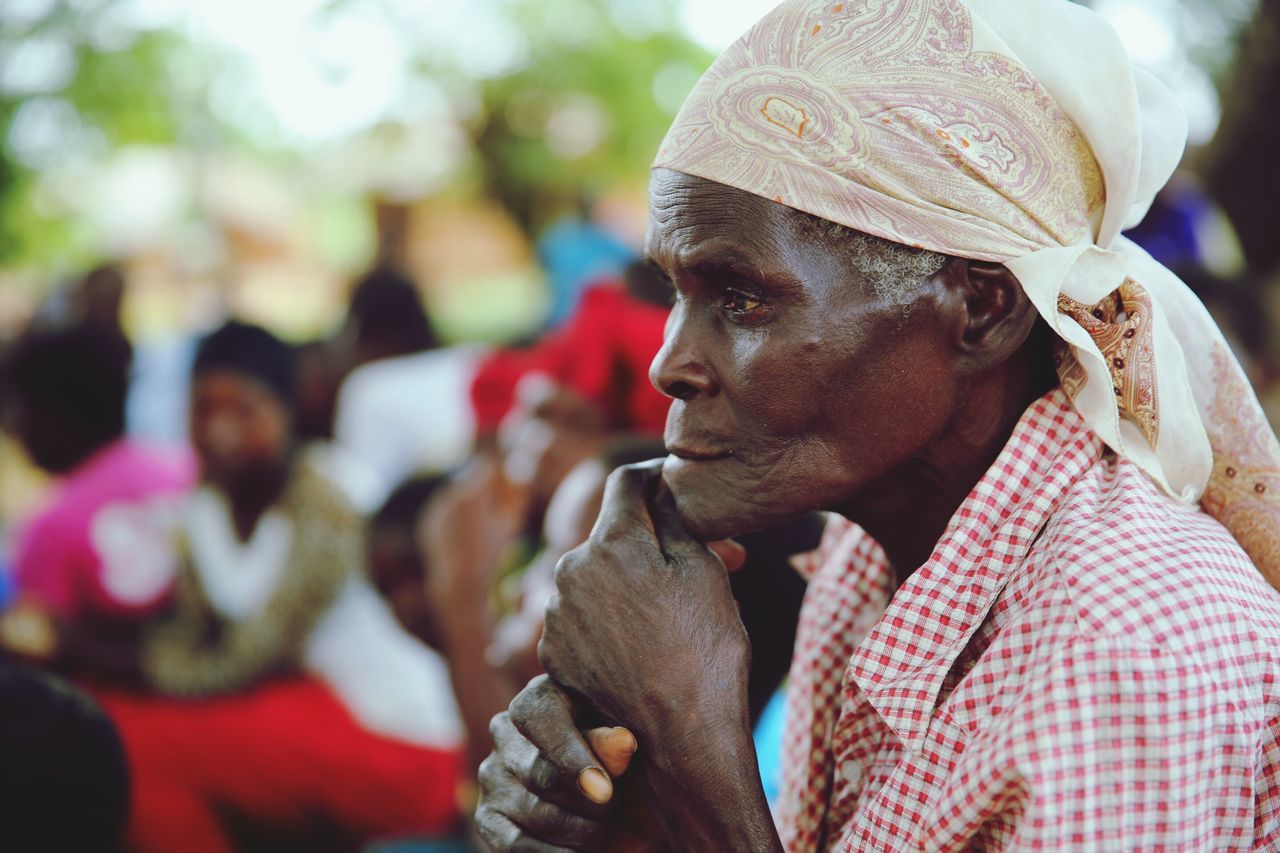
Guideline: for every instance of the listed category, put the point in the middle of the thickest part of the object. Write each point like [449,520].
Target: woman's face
[794,386]
[239,426]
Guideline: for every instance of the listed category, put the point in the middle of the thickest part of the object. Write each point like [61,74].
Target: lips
[698,454]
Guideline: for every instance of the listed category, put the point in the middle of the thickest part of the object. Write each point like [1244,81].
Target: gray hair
[896,272]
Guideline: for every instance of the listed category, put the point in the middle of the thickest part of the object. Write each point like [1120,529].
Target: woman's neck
[907,510]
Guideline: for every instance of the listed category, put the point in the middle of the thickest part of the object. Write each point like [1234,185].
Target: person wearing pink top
[97,561]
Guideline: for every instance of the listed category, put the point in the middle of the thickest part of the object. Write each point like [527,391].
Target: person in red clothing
[260,725]
[602,353]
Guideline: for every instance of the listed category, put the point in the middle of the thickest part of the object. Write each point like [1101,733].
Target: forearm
[708,795]
[482,690]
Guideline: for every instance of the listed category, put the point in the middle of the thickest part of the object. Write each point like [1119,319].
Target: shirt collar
[901,665]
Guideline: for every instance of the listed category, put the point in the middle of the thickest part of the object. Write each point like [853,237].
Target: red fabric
[283,755]
[1082,664]
[603,352]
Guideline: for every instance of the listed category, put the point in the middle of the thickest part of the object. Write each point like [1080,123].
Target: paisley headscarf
[1014,131]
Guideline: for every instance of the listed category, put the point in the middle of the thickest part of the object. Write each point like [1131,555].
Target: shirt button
[851,772]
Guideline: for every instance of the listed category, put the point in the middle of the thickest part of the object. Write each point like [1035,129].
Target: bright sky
[323,76]
[717,23]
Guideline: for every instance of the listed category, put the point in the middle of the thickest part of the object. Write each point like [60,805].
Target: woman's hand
[643,625]
[548,785]
[643,629]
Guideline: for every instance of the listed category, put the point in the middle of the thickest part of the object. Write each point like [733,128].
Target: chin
[706,496]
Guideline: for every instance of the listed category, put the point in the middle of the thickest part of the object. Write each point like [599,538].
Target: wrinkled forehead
[693,219]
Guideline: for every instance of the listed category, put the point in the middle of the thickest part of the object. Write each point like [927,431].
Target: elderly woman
[1043,621]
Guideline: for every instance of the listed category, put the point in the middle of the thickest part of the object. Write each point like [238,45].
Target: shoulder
[1137,565]
[42,536]
[131,471]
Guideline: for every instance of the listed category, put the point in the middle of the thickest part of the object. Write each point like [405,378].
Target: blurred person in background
[300,708]
[64,782]
[97,297]
[439,548]
[601,354]
[91,299]
[384,319]
[448,600]
[576,253]
[402,408]
[96,563]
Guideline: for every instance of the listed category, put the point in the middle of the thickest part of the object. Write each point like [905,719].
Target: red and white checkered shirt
[1081,664]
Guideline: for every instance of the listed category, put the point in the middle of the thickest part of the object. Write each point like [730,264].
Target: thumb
[614,747]
[730,553]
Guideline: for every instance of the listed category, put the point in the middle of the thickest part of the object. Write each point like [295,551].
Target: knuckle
[523,708]
[492,829]
[498,725]
[609,538]
[547,654]
[531,702]
[567,569]
[634,474]
[553,612]
[489,773]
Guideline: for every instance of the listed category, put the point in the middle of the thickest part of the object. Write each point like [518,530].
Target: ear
[986,309]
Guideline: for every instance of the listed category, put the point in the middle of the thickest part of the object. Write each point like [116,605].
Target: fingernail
[596,785]
[631,739]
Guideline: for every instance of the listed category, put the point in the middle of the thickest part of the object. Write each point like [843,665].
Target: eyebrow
[730,264]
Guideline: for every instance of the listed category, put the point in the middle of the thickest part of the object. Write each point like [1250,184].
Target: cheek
[817,419]
[785,391]
[894,399]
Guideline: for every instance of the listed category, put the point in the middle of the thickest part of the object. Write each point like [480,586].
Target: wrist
[708,795]
[715,704]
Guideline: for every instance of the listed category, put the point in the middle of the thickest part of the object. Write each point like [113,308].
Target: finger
[732,554]
[515,761]
[504,836]
[543,713]
[539,818]
[673,536]
[625,493]
[614,747]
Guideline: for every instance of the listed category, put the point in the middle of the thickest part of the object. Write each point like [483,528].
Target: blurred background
[167,165]
[253,157]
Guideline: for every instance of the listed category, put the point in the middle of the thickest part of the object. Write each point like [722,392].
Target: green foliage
[577,115]
[599,69]
[119,93]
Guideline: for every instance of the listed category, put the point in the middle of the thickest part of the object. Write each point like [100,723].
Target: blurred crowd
[276,591]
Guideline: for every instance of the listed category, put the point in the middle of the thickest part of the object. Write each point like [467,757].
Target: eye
[738,302]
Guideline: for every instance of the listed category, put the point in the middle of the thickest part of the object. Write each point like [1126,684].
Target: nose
[679,370]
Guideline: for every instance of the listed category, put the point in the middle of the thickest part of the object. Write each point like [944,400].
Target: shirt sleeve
[1115,746]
